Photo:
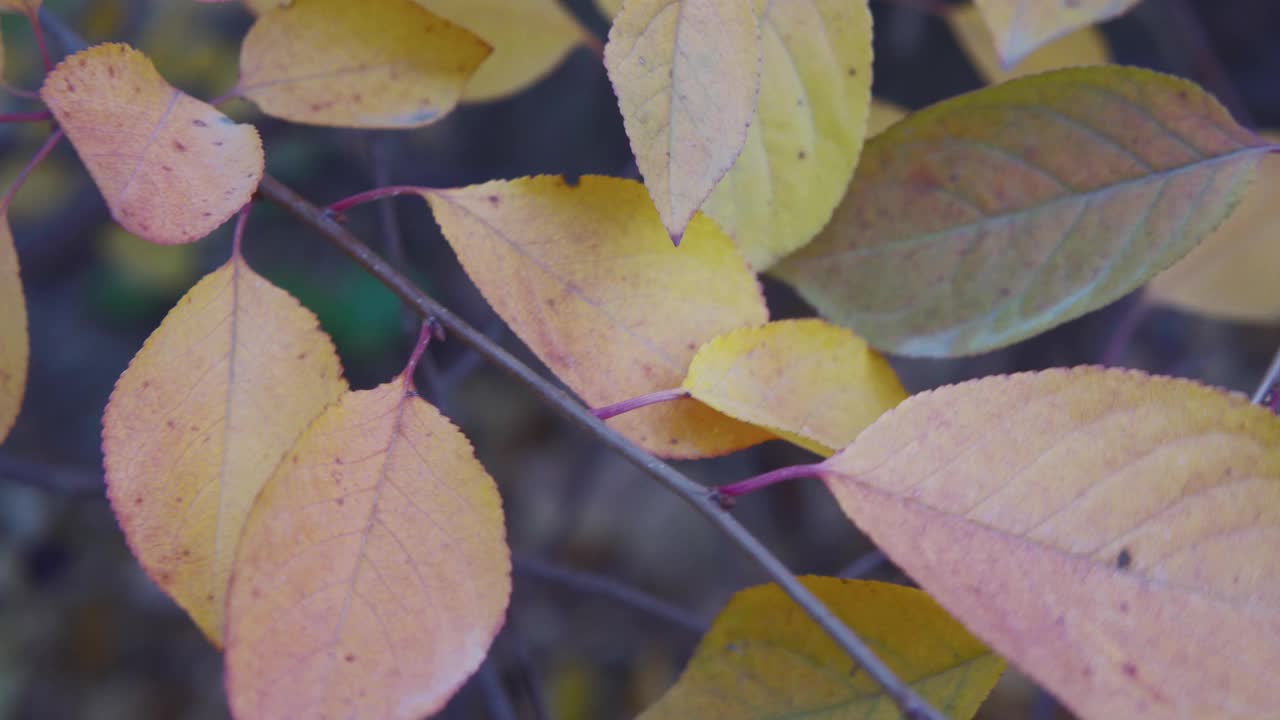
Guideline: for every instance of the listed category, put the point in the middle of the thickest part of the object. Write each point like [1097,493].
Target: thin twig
[592,584]
[23,117]
[39,157]
[34,17]
[864,565]
[1269,381]
[910,703]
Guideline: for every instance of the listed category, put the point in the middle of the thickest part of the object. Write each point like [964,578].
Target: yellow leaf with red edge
[1112,533]
[376,64]
[1235,273]
[765,658]
[200,418]
[172,168]
[1085,46]
[811,382]
[373,573]
[686,73]
[14,344]
[815,89]
[529,38]
[1021,26]
[993,216]
[586,276]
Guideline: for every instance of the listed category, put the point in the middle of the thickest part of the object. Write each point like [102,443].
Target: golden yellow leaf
[1234,273]
[993,216]
[686,73]
[815,89]
[376,64]
[200,418]
[1112,533]
[811,382]
[586,276]
[172,168]
[529,39]
[1085,46]
[765,658]
[1021,26]
[373,573]
[609,8]
[14,344]
[883,114]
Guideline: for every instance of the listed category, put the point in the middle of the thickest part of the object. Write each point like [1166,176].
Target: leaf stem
[369,196]
[21,117]
[38,29]
[911,704]
[1270,381]
[237,235]
[762,481]
[635,403]
[430,329]
[39,157]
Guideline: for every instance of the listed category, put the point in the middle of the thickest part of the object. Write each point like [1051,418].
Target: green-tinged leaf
[765,658]
[990,217]
[800,152]
[883,115]
[1112,533]
[686,73]
[811,382]
[1021,26]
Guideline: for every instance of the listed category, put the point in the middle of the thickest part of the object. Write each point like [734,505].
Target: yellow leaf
[200,418]
[815,89]
[1112,533]
[26,7]
[529,39]
[375,64]
[990,217]
[686,73]
[883,114]
[813,383]
[1234,273]
[609,8]
[1085,46]
[14,347]
[586,276]
[765,658]
[1021,26]
[171,167]
[373,573]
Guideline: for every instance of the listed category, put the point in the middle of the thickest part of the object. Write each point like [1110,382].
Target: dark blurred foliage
[84,634]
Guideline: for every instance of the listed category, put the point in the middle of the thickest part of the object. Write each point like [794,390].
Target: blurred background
[615,579]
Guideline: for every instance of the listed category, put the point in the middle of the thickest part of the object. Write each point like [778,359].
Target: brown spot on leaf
[1124,559]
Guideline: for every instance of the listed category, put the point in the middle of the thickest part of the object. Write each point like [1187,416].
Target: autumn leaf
[1085,46]
[1233,274]
[815,89]
[200,418]
[172,168]
[14,344]
[813,383]
[686,73]
[373,573]
[1110,532]
[529,39]
[1019,26]
[383,64]
[765,658]
[990,217]
[586,276]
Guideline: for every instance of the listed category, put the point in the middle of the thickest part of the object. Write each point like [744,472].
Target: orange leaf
[765,658]
[14,349]
[586,276]
[686,73]
[377,64]
[196,424]
[813,383]
[171,167]
[1112,533]
[1233,274]
[373,573]
[993,216]
[1021,26]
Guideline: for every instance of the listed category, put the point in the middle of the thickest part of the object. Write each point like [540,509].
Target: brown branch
[912,705]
